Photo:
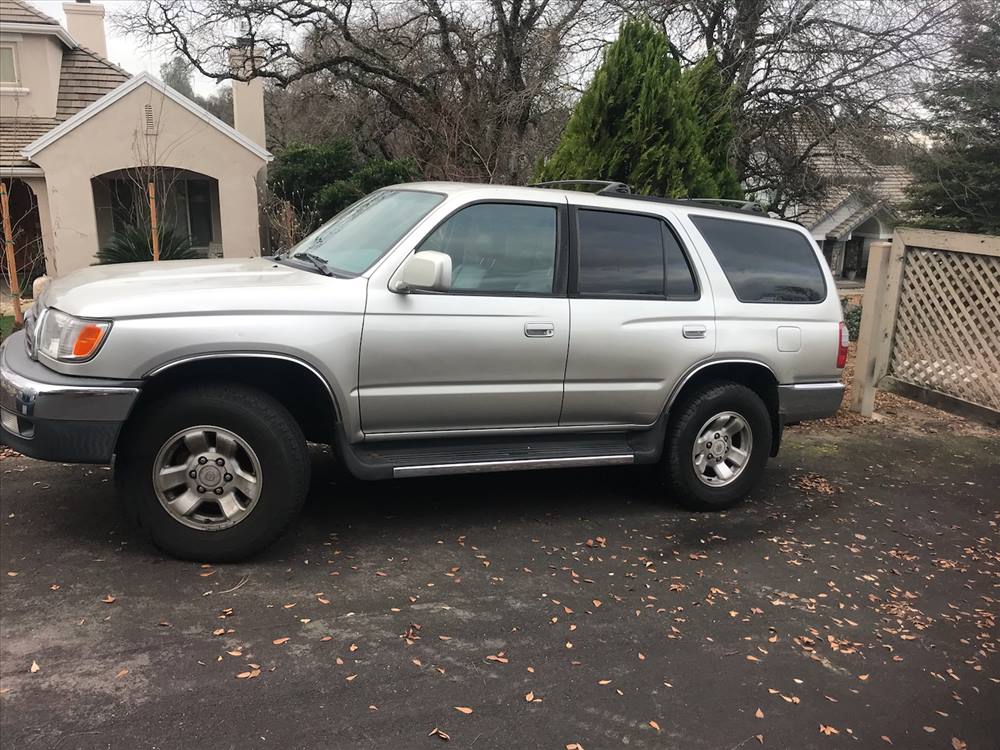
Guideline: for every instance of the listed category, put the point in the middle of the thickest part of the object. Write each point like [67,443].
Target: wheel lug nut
[201,489]
[202,460]
[192,473]
[716,434]
[218,490]
[228,477]
[219,462]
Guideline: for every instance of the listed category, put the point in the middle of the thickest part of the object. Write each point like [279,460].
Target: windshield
[363,232]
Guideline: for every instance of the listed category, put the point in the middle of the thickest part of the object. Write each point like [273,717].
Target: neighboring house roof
[19,17]
[84,78]
[117,93]
[16,134]
[15,11]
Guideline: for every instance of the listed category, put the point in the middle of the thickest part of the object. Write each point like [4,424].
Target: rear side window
[630,255]
[764,263]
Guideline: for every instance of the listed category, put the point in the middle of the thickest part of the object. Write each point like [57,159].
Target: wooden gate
[930,325]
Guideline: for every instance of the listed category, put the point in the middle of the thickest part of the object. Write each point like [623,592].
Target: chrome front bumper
[55,417]
[802,401]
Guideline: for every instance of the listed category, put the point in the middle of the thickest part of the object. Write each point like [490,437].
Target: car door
[489,353]
[642,316]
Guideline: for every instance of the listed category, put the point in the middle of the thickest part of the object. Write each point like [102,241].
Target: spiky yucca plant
[132,245]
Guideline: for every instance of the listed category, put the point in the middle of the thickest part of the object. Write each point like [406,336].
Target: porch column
[38,187]
[71,217]
[239,217]
[837,258]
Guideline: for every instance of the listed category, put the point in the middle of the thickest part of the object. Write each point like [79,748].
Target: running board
[433,457]
[521,464]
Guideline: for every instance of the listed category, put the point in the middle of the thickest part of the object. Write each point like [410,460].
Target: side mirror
[428,270]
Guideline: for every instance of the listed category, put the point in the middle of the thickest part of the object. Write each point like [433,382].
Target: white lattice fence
[948,325]
[930,326]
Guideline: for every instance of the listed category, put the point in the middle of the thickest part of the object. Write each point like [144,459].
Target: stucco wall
[116,138]
[39,58]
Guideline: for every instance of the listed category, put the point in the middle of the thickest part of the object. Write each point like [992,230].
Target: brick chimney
[248,98]
[85,23]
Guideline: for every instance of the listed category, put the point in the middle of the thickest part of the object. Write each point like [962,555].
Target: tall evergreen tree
[957,180]
[714,102]
[636,123]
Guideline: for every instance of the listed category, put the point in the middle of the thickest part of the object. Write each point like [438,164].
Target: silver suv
[433,328]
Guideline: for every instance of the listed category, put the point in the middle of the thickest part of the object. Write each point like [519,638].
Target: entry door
[640,318]
[488,354]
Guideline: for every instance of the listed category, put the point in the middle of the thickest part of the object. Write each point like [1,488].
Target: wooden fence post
[876,279]
[886,329]
[8,242]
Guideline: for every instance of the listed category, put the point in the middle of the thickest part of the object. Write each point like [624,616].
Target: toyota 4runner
[433,328]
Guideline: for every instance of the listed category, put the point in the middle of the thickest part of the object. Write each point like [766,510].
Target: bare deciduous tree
[462,86]
[810,73]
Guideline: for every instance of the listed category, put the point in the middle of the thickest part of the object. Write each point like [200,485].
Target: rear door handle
[539,330]
[693,331]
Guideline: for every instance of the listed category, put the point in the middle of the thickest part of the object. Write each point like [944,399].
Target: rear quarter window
[764,263]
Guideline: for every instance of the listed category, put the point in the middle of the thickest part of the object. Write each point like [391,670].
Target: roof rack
[608,187]
[748,206]
[621,190]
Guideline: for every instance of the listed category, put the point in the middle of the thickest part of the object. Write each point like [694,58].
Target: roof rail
[621,190]
[748,206]
[608,187]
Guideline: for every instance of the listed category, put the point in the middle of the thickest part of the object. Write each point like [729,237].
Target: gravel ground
[851,603]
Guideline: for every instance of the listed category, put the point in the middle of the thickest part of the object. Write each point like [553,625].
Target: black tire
[254,416]
[682,432]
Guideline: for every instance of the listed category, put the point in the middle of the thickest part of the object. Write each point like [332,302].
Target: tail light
[843,346]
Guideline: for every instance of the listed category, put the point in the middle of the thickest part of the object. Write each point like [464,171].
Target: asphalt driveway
[852,603]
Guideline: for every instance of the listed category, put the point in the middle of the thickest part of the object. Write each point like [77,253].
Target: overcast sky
[123,51]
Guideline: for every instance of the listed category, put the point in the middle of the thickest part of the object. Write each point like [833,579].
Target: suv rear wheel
[213,473]
[717,445]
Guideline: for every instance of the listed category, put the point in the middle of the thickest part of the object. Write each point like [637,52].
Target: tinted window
[680,279]
[764,263]
[499,247]
[620,254]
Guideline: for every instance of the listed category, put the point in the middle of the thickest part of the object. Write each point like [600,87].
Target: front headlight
[69,339]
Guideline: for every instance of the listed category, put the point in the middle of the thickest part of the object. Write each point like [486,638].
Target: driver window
[499,248]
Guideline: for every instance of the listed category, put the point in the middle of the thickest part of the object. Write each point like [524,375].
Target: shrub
[852,318]
[133,245]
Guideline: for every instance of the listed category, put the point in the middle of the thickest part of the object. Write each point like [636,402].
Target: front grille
[29,330]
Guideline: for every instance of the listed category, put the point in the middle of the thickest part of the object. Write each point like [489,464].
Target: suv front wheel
[717,445]
[213,473]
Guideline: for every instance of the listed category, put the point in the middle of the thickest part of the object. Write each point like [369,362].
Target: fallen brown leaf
[109,599]
[121,673]
[824,729]
[654,725]
[34,666]
[281,641]
[443,736]
[759,714]
[463,709]
[958,744]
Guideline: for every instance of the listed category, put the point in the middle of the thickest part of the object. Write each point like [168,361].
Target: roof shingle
[84,78]
[16,11]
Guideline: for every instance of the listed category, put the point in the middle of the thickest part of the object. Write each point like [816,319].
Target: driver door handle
[539,330]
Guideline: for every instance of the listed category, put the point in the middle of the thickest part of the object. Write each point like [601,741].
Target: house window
[8,66]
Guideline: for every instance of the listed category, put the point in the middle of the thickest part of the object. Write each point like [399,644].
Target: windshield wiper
[317,261]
